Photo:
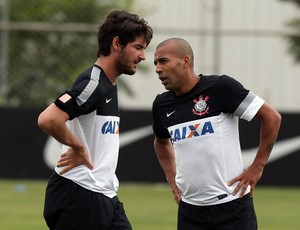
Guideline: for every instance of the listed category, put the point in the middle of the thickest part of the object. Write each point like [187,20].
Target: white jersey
[94,120]
[203,127]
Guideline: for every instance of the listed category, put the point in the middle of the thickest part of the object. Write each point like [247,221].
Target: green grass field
[148,206]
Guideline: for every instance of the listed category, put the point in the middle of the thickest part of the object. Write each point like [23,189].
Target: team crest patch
[200,107]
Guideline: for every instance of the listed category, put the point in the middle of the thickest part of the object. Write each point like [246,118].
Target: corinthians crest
[200,107]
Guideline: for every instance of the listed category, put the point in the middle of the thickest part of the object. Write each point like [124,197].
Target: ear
[186,61]
[116,43]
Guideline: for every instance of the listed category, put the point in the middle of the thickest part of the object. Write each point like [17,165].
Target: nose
[142,55]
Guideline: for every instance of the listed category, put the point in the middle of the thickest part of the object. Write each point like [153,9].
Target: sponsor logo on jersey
[200,107]
[191,131]
[110,127]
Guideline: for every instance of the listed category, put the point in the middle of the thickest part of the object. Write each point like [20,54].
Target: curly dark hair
[124,25]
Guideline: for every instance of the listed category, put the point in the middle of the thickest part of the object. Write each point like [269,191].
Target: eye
[163,61]
[139,47]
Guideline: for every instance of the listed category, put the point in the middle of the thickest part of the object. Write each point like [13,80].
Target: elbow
[44,122]
[270,116]
[52,119]
[274,121]
[277,118]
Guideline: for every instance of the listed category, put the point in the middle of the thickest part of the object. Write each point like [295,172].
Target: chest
[189,108]
[105,100]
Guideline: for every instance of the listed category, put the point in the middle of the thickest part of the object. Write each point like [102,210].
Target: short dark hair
[124,25]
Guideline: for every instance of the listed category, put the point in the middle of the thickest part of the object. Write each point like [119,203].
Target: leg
[120,220]
[69,206]
[56,192]
[238,214]
[191,217]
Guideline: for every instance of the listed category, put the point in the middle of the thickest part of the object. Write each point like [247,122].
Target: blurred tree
[294,39]
[50,43]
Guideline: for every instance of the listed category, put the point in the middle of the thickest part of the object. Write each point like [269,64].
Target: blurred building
[243,39]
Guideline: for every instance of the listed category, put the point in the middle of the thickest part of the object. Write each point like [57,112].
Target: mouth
[163,79]
[135,64]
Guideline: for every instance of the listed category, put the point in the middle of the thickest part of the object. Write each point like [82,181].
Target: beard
[124,64]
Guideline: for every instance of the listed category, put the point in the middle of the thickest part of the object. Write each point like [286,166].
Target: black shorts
[238,214]
[70,206]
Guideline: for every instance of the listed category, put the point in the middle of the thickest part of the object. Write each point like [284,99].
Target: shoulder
[216,80]
[83,78]
[89,80]
[92,73]
[87,86]
[164,96]
[222,83]
[226,80]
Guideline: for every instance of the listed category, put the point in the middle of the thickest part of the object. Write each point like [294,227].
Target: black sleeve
[70,106]
[230,93]
[76,106]
[158,128]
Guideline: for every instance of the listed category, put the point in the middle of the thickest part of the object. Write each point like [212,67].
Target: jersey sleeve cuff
[249,107]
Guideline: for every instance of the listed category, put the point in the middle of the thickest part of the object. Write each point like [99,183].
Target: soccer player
[82,192]
[197,141]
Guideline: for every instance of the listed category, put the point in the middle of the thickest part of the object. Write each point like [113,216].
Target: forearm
[165,154]
[270,123]
[269,130]
[53,122]
[63,135]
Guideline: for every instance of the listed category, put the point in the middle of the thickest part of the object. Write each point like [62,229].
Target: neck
[108,67]
[189,84]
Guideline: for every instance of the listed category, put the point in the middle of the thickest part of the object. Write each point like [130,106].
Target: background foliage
[45,44]
[49,43]
[294,39]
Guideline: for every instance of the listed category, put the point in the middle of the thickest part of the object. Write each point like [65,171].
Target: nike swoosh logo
[108,100]
[52,149]
[169,114]
[134,135]
[280,149]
